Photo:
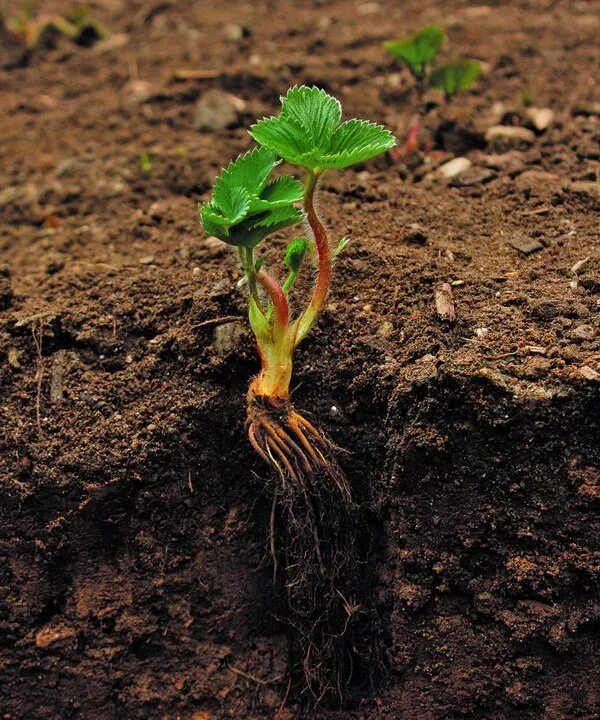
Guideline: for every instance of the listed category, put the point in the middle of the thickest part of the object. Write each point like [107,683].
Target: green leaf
[258,322]
[356,141]
[284,189]
[294,254]
[284,137]
[279,217]
[214,223]
[146,162]
[341,246]
[249,171]
[232,200]
[314,110]
[255,227]
[245,207]
[418,51]
[308,133]
[455,76]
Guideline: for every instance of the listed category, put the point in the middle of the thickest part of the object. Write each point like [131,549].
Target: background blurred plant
[35,30]
[418,53]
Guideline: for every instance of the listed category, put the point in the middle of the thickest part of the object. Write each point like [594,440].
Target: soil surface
[134,570]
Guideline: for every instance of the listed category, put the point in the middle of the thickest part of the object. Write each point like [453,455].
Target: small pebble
[511,134]
[444,302]
[454,167]
[385,330]
[589,373]
[137,92]
[473,176]
[233,32]
[526,245]
[541,118]
[583,332]
[217,110]
[227,337]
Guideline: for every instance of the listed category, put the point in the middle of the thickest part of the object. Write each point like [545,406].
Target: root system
[315,533]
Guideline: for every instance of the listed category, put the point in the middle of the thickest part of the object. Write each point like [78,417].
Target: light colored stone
[444,302]
[227,337]
[233,32]
[511,134]
[454,167]
[526,245]
[137,92]
[583,332]
[217,110]
[541,118]
[589,373]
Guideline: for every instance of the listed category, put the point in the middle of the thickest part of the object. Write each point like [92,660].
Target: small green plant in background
[146,162]
[419,53]
[455,76]
[312,503]
[34,30]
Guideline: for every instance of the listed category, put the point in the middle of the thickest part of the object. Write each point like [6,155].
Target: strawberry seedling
[418,53]
[312,493]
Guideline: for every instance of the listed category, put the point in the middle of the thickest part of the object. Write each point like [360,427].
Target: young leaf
[255,228]
[418,51]
[308,132]
[250,171]
[341,246]
[232,200]
[455,76]
[314,110]
[284,190]
[146,162]
[245,208]
[213,222]
[279,218]
[284,137]
[355,141]
[294,254]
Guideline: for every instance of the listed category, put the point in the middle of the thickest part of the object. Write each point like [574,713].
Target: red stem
[280,304]
[323,250]
[324,271]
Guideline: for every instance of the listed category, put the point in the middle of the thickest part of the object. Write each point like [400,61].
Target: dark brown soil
[134,569]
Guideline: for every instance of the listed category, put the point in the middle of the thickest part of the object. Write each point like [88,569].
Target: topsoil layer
[134,572]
